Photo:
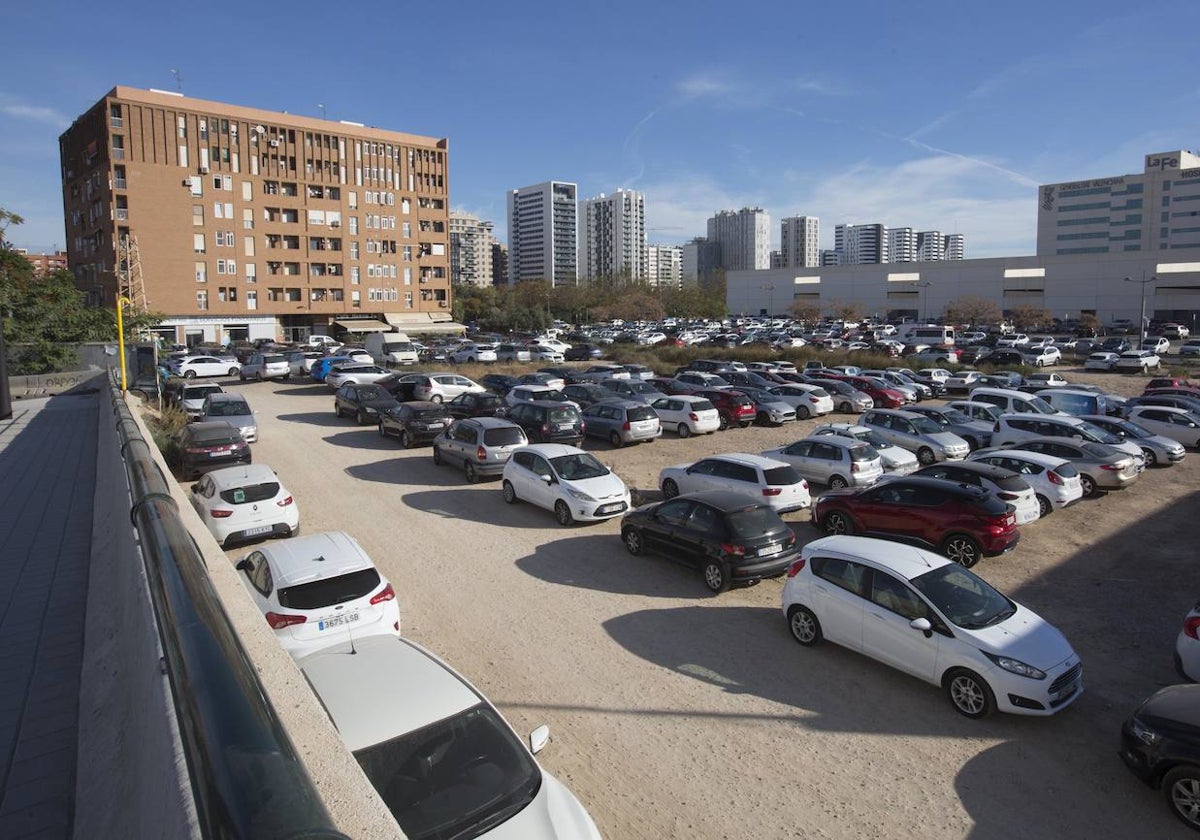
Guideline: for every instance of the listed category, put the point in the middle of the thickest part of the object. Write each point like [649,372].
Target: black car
[566,374]
[417,422]
[1003,356]
[1160,744]
[365,403]
[475,404]
[547,422]
[208,446]
[398,386]
[499,383]
[584,394]
[722,534]
[583,353]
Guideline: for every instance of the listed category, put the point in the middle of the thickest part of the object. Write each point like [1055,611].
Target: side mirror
[244,566]
[539,738]
[922,624]
[549,479]
[194,487]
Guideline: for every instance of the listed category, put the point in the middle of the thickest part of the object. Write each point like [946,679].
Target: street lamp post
[121,301]
[925,300]
[1142,321]
[770,288]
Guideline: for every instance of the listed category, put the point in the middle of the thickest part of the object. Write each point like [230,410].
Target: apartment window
[216,181]
[407,253]
[354,250]
[119,177]
[356,298]
[197,185]
[197,214]
[248,246]
[408,300]
[353,220]
[292,295]
[404,205]
[233,294]
[198,243]
[354,276]
[248,218]
[251,273]
[181,122]
[218,210]
[118,147]
[352,200]
[407,276]
[221,294]
[247,191]
[220,266]
[203,129]
[406,230]
[252,300]
[202,300]
[201,272]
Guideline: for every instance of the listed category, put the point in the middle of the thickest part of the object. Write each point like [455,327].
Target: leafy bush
[164,430]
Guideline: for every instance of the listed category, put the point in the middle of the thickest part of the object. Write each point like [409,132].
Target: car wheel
[724,422]
[510,492]
[969,694]
[846,408]
[804,625]
[962,550]
[258,377]
[234,371]
[837,483]
[1181,787]
[1044,506]
[716,576]
[437,457]
[925,456]
[1151,458]
[1088,484]
[405,439]
[837,523]
[471,473]
[437,398]
[563,513]
[361,417]
[615,440]
[337,410]
[670,488]
[632,538]
[802,413]
[745,424]
[189,374]
[382,430]
[684,430]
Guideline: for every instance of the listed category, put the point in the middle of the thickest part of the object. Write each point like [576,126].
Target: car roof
[895,412]
[210,429]
[241,475]
[1066,419]
[491,422]
[906,561]
[835,440]
[1153,407]
[314,557]
[553,450]
[368,689]
[745,458]
[989,470]
[1040,458]
[842,426]
[620,402]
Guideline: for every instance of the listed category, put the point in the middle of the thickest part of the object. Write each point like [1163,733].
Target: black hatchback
[475,404]
[547,422]
[717,532]
[417,422]
[1160,744]
[209,446]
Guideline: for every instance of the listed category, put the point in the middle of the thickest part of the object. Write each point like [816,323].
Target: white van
[323,342]
[1014,402]
[391,348]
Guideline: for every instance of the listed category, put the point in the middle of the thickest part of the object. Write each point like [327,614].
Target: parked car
[470,353]
[245,502]
[808,400]
[935,355]
[687,415]
[546,422]
[443,759]
[916,433]
[1160,744]
[934,620]
[846,398]
[833,461]
[482,445]
[963,523]
[896,461]
[1036,382]
[565,480]
[722,534]
[1014,429]
[985,412]
[1042,356]
[584,394]
[231,409]
[547,378]
[692,381]
[440,387]
[499,383]
[365,403]
[1187,646]
[1055,481]
[880,392]
[761,479]
[189,367]
[1156,344]
[1175,331]
[912,391]
[977,433]
[599,373]
[1100,467]
[1005,484]
[637,371]
[583,353]
[1178,424]
[319,590]
[508,352]
[355,373]
[415,423]
[358,355]
[1137,360]
[320,367]
[475,404]
[1156,449]
[262,366]
[300,362]
[1010,400]
[769,409]
[1191,347]
[621,421]
[206,446]
[733,407]
[962,381]
[190,398]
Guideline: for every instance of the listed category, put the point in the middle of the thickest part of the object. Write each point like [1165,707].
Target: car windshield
[925,426]
[937,419]
[372,392]
[644,412]
[456,778]
[954,416]
[782,476]
[228,408]
[751,522]
[199,392]
[563,414]
[873,438]
[1042,407]
[547,396]
[1097,450]
[429,414]
[250,493]
[863,453]
[702,405]
[578,467]
[963,597]
[1097,434]
[642,387]
[326,592]
[1133,429]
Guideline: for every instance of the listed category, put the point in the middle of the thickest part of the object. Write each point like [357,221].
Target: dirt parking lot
[680,714]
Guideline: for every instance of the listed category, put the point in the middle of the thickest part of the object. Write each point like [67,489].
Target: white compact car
[896,461]
[1138,360]
[1055,481]
[566,480]
[443,759]
[1101,360]
[245,502]
[190,367]
[687,415]
[1187,646]
[929,617]
[319,590]
[765,480]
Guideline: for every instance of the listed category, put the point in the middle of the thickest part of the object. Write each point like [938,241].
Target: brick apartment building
[43,264]
[240,223]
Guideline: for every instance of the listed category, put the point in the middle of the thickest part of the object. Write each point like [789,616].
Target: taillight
[1113,467]
[1054,477]
[772,491]
[795,568]
[1008,497]
[730,548]
[388,594]
[1191,626]
[278,621]
[692,416]
[480,453]
[217,513]
[194,450]
[625,425]
[996,426]
[285,502]
[855,467]
[813,400]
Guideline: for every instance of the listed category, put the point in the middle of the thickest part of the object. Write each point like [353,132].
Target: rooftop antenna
[178,80]
[322,107]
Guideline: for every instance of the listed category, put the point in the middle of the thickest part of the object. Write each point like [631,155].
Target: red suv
[963,522]
[876,389]
[735,408]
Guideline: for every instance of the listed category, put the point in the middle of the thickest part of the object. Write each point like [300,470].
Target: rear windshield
[228,408]
[863,453]
[504,436]
[819,392]
[702,405]
[749,523]
[642,413]
[199,392]
[251,493]
[564,414]
[329,591]
[991,505]
[1067,470]
[217,437]
[1011,483]
[273,358]
[925,426]
[642,387]
[782,476]
[429,413]
[371,392]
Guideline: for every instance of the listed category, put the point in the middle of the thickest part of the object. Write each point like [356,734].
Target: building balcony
[119,183]
[122,213]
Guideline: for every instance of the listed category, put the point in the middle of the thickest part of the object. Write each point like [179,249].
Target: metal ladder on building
[130,283]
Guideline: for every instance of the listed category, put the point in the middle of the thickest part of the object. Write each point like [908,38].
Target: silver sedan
[1100,467]
[1157,448]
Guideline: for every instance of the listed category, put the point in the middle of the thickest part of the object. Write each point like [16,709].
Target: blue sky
[936,115]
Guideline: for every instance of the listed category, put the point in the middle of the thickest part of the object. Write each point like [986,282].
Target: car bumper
[1187,657]
[994,546]
[1022,696]
[1108,480]
[285,528]
[206,466]
[1140,758]
[770,567]
[598,511]
[901,469]
[788,505]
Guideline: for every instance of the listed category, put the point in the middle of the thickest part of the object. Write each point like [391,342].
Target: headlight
[1144,733]
[1015,666]
[578,494]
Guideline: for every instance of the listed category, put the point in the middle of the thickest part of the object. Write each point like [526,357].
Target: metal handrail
[246,775]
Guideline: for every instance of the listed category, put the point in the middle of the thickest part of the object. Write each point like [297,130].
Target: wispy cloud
[932,125]
[706,85]
[821,85]
[631,148]
[35,113]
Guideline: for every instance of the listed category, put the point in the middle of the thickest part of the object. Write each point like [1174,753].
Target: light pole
[121,301]
[1142,322]
[770,287]
[925,300]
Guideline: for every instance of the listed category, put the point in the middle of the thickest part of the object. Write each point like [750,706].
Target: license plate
[1012,520]
[773,548]
[563,427]
[261,529]
[433,425]
[338,621]
[616,507]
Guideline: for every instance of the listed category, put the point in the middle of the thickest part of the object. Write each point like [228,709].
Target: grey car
[482,445]
[232,409]
[916,433]
[1156,448]
[621,421]
[768,408]
[833,461]
[1100,467]
[915,391]
[846,398]
[637,390]
[584,394]
[977,433]
[986,412]
[191,398]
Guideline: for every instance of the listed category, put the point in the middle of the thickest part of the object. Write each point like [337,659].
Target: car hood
[946,439]
[1164,442]
[600,487]
[554,814]
[895,456]
[1025,636]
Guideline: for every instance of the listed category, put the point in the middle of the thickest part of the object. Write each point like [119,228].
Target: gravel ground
[680,714]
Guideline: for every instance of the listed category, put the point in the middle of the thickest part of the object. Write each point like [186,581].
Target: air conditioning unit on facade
[274,144]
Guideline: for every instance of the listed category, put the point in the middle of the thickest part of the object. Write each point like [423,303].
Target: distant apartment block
[499,263]
[744,238]
[242,223]
[830,257]
[664,265]
[799,245]
[612,236]
[700,261]
[954,247]
[1156,210]
[902,244]
[861,244]
[543,233]
[876,243]
[471,242]
[43,264]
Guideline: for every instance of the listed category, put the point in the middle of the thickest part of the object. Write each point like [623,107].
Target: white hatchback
[931,618]
[764,480]
[245,502]
[319,590]
[1187,646]
[687,415]
[895,460]
[565,480]
[1055,481]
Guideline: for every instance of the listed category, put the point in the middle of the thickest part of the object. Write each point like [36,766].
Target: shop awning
[362,325]
[423,322]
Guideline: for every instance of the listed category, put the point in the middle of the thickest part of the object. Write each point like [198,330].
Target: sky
[930,115]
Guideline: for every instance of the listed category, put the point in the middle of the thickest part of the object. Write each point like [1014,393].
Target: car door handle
[821,589]
[879,616]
